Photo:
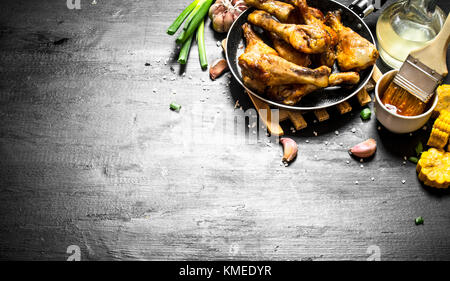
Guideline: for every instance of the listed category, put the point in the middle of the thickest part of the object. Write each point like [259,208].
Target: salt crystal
[362,166]
[341,144]
[356,182]
[403,181]
[348,162]
[307,141]
[372,178]
[315,133]
[353,130]
[164,77]
[379,128]
[336,132]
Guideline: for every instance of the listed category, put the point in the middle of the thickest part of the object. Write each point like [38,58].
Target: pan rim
[298,108]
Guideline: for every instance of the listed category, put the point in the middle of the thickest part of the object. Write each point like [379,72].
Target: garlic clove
[290,149]
[218,68]
[364,149]
[227,21]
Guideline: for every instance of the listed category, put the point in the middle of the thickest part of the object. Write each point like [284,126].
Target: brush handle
[434,54]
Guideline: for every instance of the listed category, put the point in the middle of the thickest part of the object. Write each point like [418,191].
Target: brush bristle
[405,103]
[418,79]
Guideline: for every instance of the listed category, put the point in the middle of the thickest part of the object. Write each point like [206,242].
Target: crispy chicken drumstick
[311,18]
[262,63]
[282,11]
[309,39]
[353,51]
[292,94]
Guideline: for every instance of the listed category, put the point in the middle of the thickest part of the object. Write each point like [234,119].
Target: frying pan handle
[365,7]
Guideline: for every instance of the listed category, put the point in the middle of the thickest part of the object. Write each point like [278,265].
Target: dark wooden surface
[90,156]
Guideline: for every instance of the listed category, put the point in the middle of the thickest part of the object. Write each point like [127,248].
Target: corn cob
[438,138]
[443,92]
[434,168]
[441,131]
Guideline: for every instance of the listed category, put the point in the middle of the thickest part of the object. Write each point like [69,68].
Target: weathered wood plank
[90,154]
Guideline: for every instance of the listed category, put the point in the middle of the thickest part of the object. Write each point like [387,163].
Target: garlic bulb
[224,12]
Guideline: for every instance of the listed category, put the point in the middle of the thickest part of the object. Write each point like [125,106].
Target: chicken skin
[292,94]
[288,53]
[353,51]
[262,63]
[309,39]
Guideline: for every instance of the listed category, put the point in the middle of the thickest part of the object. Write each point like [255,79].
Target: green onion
[413,160]
[184,52]
[419,220]
[201,45]
[175,106]
[419,148]
[190,27]
[366,113]
[190,18]
[180,19]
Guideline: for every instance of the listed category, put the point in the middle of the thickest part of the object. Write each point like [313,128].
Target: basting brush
[418,77]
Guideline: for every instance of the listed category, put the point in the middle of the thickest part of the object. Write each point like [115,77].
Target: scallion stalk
[201,45]
[180,19]
[184,52]
[198,17]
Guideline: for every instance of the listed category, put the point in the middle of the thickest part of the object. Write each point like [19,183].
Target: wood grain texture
[91,155]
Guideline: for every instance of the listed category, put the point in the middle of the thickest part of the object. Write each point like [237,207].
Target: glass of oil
[407,25]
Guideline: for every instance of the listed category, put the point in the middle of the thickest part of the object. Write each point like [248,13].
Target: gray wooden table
[91,158]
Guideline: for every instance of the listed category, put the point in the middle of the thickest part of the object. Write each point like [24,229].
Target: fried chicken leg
[282,11]
[309,39]
[353,51]
[292,94]
[310,17]
[262,63]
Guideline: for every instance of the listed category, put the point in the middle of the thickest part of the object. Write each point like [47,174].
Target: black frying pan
[322,98]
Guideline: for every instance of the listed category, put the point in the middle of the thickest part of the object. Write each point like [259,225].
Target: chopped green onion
[180,19]
[413,160]
[201,45]
[175,106]
[366,113]
[184,52]
[419,220]
[419,148]
[190,27]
